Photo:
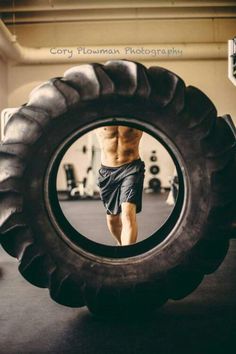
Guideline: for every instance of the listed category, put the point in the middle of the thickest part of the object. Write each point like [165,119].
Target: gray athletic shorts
[121,184]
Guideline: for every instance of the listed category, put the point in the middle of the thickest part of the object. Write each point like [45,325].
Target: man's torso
[119,144]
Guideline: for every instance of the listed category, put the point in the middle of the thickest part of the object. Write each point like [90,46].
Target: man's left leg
[129,231]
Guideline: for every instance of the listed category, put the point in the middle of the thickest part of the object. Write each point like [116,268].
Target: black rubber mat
[204,322]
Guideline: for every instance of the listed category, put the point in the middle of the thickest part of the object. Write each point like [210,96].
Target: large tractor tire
[172,262]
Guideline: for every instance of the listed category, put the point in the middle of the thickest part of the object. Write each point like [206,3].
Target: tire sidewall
[149,265]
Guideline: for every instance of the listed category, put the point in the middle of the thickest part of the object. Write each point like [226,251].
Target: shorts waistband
[125,164]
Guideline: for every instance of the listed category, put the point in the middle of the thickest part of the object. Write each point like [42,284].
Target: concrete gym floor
[89,217]
[202,323]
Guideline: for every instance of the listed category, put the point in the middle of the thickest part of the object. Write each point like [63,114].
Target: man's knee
[128,211]
[113,220]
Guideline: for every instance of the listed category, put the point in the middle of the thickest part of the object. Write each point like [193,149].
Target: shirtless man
[121,180]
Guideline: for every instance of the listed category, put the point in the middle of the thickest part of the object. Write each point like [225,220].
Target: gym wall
[209,75]
[4,85]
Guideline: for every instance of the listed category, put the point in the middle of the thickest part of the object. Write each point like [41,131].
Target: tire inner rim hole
[74,197]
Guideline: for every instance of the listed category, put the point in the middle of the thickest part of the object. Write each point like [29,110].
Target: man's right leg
[115,226]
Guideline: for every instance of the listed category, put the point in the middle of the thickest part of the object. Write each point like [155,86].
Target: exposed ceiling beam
[118,14]
[14,52]
[62,5]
